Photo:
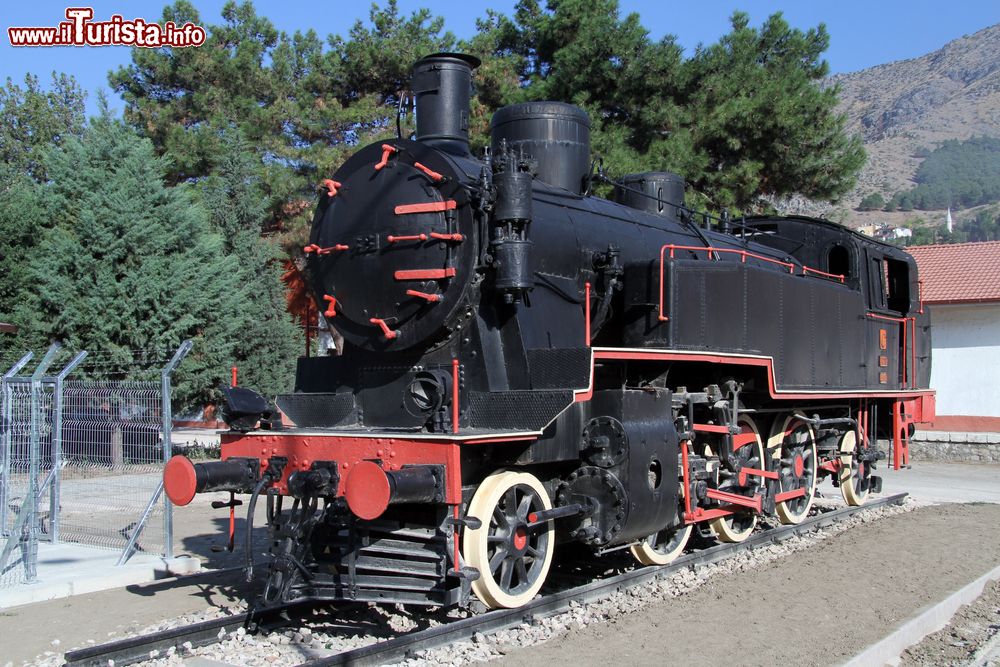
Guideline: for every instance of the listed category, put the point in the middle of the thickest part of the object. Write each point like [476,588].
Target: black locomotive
[526,364]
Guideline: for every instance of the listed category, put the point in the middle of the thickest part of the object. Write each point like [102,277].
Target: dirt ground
[818,607]
[970,628]
[58,625]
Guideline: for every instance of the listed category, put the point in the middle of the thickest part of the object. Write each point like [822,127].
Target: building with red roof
[961,284]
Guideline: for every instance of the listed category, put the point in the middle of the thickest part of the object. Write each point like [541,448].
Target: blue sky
[863,33]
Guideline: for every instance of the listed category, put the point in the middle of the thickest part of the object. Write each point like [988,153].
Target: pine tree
[131,267]
[31,121]
[761,121]
[743,120]
[266,348]
[302,102]
[21,220]
[872,202]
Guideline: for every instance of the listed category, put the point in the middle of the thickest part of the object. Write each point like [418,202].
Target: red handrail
[455,412]
[887,318]
[834,276]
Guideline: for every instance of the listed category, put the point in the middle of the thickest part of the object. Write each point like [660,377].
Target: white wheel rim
[724,527]
[848,472]
[504,552]
[793,511]
[648,553]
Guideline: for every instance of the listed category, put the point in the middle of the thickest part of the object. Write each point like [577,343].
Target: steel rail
[404,646]
[136,649]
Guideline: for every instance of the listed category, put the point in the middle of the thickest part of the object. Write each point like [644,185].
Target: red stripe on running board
[424,274]
[429,207]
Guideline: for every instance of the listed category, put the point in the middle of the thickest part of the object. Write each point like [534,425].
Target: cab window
[838,261]
[889,281]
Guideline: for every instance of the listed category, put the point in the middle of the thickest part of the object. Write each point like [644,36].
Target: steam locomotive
[527,364]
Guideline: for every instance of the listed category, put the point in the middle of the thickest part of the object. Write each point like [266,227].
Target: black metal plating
[235,474]
[416,484]
[513,202]
[657,192]
[556,135]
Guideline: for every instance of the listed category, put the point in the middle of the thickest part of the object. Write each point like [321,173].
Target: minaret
[949,221]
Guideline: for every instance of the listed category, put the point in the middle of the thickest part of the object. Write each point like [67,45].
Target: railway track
[136,649]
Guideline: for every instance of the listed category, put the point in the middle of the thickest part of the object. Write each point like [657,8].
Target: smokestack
[442,84]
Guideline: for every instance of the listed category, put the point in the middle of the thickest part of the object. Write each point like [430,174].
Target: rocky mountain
[905,108]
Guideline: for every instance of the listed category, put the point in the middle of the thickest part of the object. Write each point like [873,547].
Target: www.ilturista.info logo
[79,30]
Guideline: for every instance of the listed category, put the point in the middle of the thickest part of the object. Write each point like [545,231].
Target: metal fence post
[134,536]
[30,550]
[6,436]
[57,407]
[168,510]
[25,531]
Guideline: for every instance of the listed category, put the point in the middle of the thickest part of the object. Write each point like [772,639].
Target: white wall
[965,367]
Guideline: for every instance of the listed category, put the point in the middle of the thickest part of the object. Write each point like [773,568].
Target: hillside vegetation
[959,174]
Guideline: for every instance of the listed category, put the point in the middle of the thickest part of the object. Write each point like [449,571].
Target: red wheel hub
[520,538]
[799,465]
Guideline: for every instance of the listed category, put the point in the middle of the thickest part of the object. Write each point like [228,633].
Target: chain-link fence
[112,452]
[15,476]
[90,453]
